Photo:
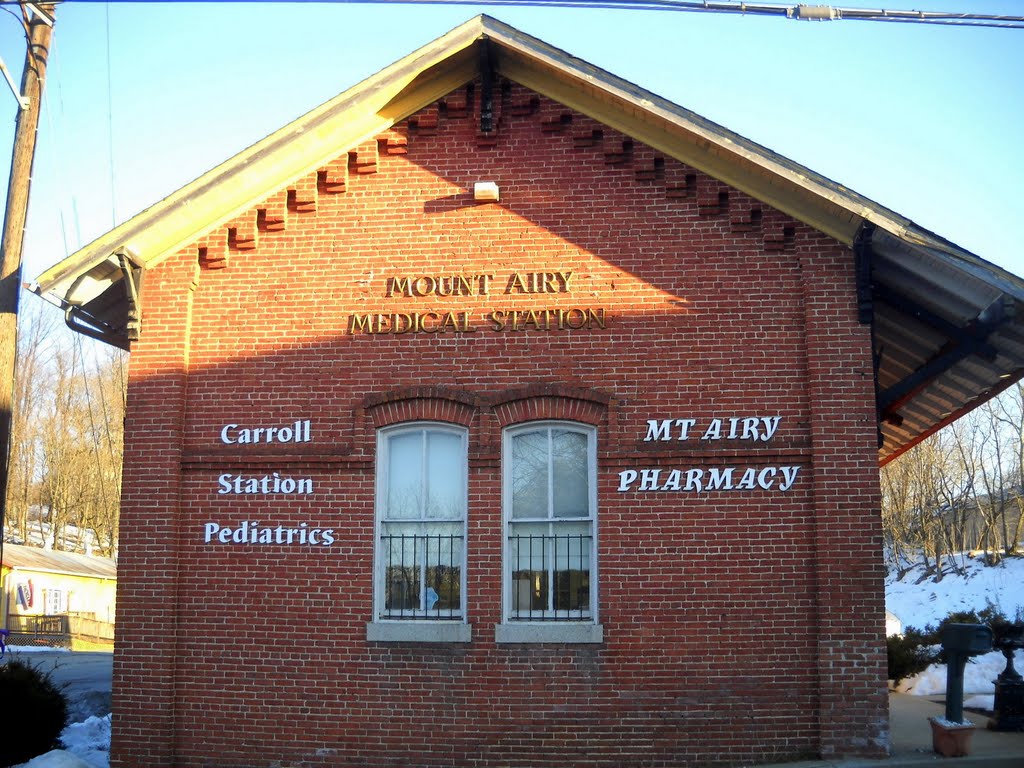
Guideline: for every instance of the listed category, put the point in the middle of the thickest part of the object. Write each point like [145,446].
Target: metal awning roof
[51,561]
[948,326]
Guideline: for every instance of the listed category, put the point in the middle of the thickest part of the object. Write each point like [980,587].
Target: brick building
[499,412]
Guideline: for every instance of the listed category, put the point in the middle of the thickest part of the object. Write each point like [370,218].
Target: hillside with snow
[918,600]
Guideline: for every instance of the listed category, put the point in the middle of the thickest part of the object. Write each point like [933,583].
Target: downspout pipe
[73,318]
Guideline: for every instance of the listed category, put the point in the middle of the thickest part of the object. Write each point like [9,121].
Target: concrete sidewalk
[911,740]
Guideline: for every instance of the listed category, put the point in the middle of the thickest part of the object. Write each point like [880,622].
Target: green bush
[917,649]
[912,652]
[35,710]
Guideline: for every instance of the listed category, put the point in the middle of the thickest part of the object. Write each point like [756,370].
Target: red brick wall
[739,626]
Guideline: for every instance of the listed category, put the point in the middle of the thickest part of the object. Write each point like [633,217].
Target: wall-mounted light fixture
[485,192]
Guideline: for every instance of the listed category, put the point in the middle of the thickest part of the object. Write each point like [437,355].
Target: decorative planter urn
[951,739]
[1009,698]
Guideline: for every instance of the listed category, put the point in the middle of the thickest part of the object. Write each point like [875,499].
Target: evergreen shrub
[35,711]
[917,649]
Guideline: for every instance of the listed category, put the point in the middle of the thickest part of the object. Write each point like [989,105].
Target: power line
[796,11]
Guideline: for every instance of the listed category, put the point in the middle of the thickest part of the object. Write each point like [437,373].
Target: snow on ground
[928,602]
[86,745]
[979,677]
[89,740]
[916,605]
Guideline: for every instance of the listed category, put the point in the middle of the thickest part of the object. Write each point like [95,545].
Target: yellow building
[57,598]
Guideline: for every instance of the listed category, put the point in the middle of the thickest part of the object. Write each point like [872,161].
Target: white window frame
[384,628]
[554,628]
[56,602]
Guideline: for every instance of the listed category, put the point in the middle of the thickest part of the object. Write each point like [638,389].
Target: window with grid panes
[421,523]
[550,500]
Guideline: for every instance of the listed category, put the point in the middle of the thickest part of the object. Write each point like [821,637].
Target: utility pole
[38,22]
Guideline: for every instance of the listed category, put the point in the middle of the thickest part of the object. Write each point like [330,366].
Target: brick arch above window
[551,402]
[421,403]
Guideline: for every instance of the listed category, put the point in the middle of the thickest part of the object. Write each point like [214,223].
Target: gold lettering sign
[501,320]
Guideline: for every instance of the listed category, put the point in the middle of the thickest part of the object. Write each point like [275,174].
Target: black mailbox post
[961,641]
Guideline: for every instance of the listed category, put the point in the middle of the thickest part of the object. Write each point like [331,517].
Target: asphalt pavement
[84,676]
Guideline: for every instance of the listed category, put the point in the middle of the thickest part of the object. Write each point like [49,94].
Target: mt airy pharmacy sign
[751,429]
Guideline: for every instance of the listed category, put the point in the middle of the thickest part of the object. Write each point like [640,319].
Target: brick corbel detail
[273,215]
[363,159]
[213,250]
[243,232]
[302,195]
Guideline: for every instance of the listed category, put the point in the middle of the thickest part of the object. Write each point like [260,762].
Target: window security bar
[423,576]
[550,577]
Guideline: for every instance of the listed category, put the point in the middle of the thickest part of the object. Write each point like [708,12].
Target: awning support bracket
[132,276]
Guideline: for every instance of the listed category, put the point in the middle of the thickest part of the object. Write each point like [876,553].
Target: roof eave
[314,139]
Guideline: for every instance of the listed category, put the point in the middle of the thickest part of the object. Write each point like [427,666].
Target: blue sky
[142,98]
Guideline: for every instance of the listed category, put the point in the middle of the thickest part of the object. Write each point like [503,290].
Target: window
[56,601]
[421,533]
[550,500]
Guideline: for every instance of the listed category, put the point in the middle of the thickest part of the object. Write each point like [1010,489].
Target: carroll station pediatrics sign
[755,429]
[252,531]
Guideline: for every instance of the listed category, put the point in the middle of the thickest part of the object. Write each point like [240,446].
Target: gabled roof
[946,326]
[50,561]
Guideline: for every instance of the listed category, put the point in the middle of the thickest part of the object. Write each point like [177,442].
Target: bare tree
[67,439]
[35,347]
[924,493]
[959,492]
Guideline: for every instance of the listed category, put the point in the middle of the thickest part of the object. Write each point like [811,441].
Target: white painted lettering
[750,425]
[224,481]
[299,432]
[771,424]
[719,479]
[265,485]
[714,430]
[658,430]
[748,480]
[649,479]
[250,532]
[701,480]
[695,480]
[626,479]
[674,482]
[766,477]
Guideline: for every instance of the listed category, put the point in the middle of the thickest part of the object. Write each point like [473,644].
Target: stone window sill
[548,632]
[419,632]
